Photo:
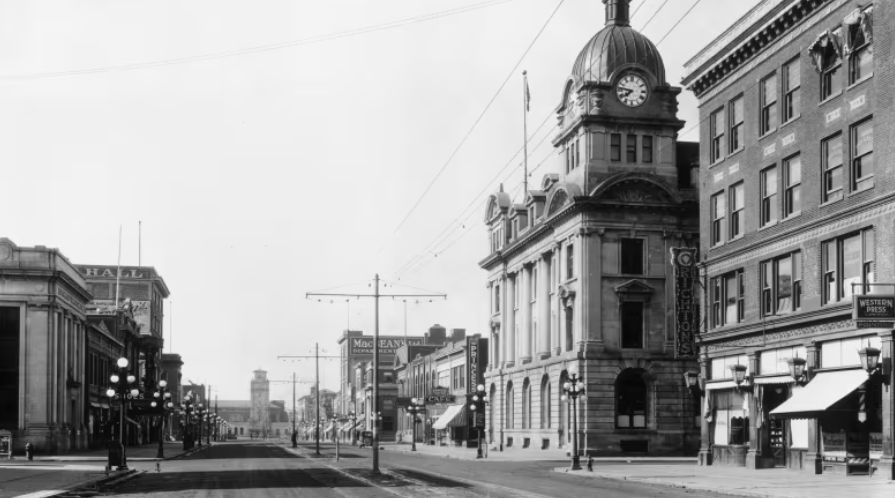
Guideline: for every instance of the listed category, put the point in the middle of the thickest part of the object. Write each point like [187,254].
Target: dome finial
[618,12]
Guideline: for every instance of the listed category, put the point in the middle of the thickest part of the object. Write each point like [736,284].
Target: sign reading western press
[387,344]
[874,311]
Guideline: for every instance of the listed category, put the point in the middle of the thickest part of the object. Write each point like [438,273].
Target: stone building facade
[579,272]
[43,336]
[796,220]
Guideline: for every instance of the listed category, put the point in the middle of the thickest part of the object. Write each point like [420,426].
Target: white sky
[262,176]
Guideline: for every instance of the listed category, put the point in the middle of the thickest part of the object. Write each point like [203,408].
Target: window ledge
[767,134]
[735,152]
[859,82]
[717,162]
[829,99]
[791,120]
[738,237]
[858,192]
[769,225]
[793,215]
[829,203]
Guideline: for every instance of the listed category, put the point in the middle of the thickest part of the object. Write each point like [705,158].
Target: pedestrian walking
[29,450]
[294,440]
[590,463]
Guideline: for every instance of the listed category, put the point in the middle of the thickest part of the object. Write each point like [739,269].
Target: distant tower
[260,416]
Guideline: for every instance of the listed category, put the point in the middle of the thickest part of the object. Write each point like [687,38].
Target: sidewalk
[144,453]
[739,481]
[518,454]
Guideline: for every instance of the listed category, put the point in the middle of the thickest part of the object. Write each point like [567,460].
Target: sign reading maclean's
[387,344]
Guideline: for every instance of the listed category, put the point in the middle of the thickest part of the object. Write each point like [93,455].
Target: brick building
[796,207]
[579,274]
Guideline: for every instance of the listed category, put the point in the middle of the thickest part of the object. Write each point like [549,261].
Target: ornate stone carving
[785,334]
[566,296]
[634,195]
[596,101]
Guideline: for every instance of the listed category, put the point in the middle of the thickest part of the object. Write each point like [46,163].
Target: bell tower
[260,415]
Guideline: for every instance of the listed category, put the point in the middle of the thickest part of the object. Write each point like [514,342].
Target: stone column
[509,342]
[705,448]
[886,466]
[544,322]
[754,417]
[814,457]
[525,308]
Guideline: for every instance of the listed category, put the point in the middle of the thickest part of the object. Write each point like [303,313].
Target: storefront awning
[820,394]
[726,384]
[775,379]
[95,404]
[454,416]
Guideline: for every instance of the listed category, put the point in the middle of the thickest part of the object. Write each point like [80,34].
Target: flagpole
[118,270]
[525,98]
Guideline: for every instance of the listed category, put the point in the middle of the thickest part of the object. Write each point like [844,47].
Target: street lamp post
[336,432]
[123,392]
[573,390]
[163,395]
[187,419]
[478,406]
[417,407]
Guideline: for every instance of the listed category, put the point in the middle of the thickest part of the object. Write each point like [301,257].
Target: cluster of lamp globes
[123,363]
[480,394]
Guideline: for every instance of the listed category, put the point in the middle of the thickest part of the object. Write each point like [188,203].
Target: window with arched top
[545,402]
[631,400]
[510,408]
[526,404]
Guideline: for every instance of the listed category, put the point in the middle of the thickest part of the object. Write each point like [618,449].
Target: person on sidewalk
[294,440]
[29,451]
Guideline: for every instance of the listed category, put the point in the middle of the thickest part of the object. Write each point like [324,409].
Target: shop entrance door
[775,395]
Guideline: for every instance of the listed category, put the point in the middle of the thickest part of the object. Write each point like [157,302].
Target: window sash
[632,325]
[647,148]
[736,203]
[717,129]
[736,124]
[862,163]
[831,157]
[792,181]
[768,195]
[768,120]
[719,212]
[615,147]
[632,256]
[631,149]
[791,88]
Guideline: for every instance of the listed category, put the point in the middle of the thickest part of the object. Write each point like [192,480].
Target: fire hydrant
[29,450]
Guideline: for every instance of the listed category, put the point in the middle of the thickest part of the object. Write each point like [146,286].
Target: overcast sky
[261,175]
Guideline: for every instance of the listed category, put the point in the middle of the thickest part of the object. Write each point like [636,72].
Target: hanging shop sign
[686,304]
[874,311]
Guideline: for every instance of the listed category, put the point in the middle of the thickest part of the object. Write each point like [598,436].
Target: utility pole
[375,401]
[316,357]
[293,382]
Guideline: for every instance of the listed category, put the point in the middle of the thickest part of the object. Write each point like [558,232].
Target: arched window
[545,402]
[630,400]
[510,406]
[563,411]
[526,404]
[492,396]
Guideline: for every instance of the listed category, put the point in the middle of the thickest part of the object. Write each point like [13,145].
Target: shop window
[719,213]
[769,196]
[859,45]
[846,261]
[728,299]
[721,366]
[781,284]
[647,148]
[773,361]
[737,200]
[631,400]
[717,127]
[632,324]
[768,96]
[792,96]
[632,256]
[792,186]
[844,352]
[615,147]
[831,159]
[731,418]
[737,118]
[862,156]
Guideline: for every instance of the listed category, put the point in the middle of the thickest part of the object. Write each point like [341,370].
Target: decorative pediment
[634,290]
[498,203]
[634,188]
[561,195]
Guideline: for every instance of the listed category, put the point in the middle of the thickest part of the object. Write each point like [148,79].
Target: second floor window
[768,121]
[831,159]
[768,196]
[862,155]
[615,147]
[647,148]
[737,203]
[845,261]
[632,256]
[632,325]
[737,117]
[792,82]
[781,284]
[716,128]
[792,186]
[719,212]
[497,299]
[728,299]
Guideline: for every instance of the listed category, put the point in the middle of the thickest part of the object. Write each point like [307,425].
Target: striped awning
[454,416]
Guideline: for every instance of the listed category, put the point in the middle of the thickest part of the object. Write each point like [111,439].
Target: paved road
[246,469]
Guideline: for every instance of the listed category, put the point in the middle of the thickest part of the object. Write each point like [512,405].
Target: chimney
[618,12]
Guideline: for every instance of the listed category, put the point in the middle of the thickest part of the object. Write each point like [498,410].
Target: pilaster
[509,343]
[705,447]
[814,457]
[544,319]
[525,308]
[886,464]
[754,417]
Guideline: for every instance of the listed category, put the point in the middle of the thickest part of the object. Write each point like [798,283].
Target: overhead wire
[259,48]
[676,24]
[472,128]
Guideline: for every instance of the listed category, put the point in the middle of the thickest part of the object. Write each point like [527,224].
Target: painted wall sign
[387,344]
[127,272]
[686,306]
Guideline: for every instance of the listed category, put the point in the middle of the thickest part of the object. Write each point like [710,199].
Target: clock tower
[618,114]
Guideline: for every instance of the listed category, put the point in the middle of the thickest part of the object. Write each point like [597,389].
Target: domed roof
[618,47]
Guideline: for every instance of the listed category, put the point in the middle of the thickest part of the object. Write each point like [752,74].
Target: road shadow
[165,483]
[224,451]
[434,480]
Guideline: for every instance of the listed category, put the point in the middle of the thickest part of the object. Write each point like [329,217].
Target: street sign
[873,307]
[440,391]
[436,400]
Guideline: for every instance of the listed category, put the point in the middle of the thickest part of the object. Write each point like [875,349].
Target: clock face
[632,90]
